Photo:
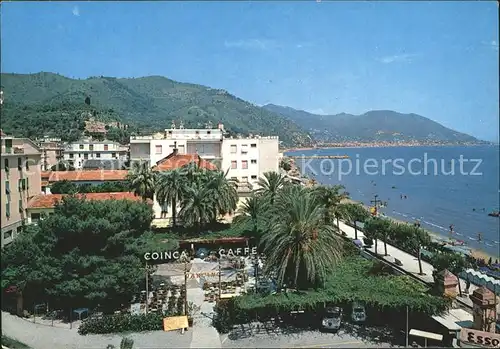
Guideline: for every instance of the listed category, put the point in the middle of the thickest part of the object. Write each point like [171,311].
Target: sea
[439,186]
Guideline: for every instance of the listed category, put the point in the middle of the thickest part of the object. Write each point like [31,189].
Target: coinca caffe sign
[479,338]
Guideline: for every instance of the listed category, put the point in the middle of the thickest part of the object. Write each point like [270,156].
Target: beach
[474,252]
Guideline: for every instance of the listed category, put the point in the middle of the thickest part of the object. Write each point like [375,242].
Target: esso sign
[485,339]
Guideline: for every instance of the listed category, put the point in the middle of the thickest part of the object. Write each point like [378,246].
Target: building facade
[20,181]
[245,159]
[77,153]
[52,152]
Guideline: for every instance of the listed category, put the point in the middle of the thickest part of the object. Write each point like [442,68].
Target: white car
[332,319]
[358,312]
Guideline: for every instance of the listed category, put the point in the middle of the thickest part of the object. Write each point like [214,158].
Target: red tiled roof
[46,174]
[50,200]
[90,175]
[175,160]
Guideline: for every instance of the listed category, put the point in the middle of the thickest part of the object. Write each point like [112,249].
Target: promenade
[409,262]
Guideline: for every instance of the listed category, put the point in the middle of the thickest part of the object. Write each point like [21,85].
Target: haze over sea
[436,199]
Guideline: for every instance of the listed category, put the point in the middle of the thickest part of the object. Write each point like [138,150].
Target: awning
[452,319]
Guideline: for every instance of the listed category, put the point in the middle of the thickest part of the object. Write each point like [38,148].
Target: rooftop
[50,200]
[89,175]
[176,160]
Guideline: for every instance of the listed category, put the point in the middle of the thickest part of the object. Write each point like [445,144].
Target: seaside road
[410,263]
[46,337]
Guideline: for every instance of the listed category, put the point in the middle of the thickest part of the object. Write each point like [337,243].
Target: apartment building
[52,152]
[20,181]
[77,153]
[245,159]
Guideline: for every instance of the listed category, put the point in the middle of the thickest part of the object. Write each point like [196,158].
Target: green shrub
[121,323]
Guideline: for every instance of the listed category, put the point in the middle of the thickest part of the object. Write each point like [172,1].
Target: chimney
[175,148]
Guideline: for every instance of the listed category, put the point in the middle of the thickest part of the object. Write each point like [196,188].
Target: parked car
[332,319]
[358,312]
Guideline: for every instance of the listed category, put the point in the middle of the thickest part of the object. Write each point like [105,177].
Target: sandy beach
[474,252]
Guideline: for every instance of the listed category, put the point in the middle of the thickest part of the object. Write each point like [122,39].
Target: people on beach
[479,237]
[451,228]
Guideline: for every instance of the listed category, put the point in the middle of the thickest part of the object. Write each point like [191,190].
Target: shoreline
[364,146]
[474,252]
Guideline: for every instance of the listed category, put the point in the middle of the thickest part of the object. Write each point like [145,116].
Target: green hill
[38,103]
[373,126]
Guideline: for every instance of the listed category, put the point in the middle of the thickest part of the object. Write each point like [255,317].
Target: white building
[246,159]
[77,153]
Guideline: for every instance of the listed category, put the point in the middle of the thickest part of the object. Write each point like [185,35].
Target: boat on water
[494,214]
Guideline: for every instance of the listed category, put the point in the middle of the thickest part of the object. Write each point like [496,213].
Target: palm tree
[142,179]
[252,214]
[300,247]
[270,184]
[330,197]
[171,188]
[222,192]
[355,213]
[377,228]
[197,206]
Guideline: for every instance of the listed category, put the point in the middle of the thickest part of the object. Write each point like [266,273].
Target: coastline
[474,252]
[374,145]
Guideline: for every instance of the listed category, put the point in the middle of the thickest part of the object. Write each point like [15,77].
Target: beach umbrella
[358,243]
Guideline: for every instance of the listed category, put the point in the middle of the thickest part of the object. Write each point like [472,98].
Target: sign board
[200,274]
[175,323]
[480,338]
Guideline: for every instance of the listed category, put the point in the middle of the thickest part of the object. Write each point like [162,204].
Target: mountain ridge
[150,103]
[373,126]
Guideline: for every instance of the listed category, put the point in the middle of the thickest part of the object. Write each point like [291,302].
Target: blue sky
[437,59]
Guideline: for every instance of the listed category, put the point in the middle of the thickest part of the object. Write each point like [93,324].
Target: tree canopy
[87,253]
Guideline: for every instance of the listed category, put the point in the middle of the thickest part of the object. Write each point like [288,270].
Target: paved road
[45,337]
[275,338]
[410,263]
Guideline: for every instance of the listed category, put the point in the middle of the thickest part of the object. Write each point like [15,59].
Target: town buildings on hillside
[20,181]
[92,154]
[245,159]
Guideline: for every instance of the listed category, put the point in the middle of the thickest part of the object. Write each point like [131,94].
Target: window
[7,187]
[233,149]
[8,146]
[19,164]
[79,155]
[209,132]
[158,149]
[71,155]
[86,156]
[7,208]
[254,177]
[253,145]
[106,147]
[27,164]
[244,179]
[20,205]
[81,146]
[23,184]
[234,164]
[35,217]
[113,155]
[244,149]
[91,147]
[234,179]
[98,155]
[244,164]
[27,184]
[253,161]
[6,165]
[7,234]
[20,184]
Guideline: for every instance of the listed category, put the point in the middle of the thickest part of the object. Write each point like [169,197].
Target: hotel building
[245,158]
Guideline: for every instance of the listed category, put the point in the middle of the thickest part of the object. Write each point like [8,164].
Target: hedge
[121,323]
